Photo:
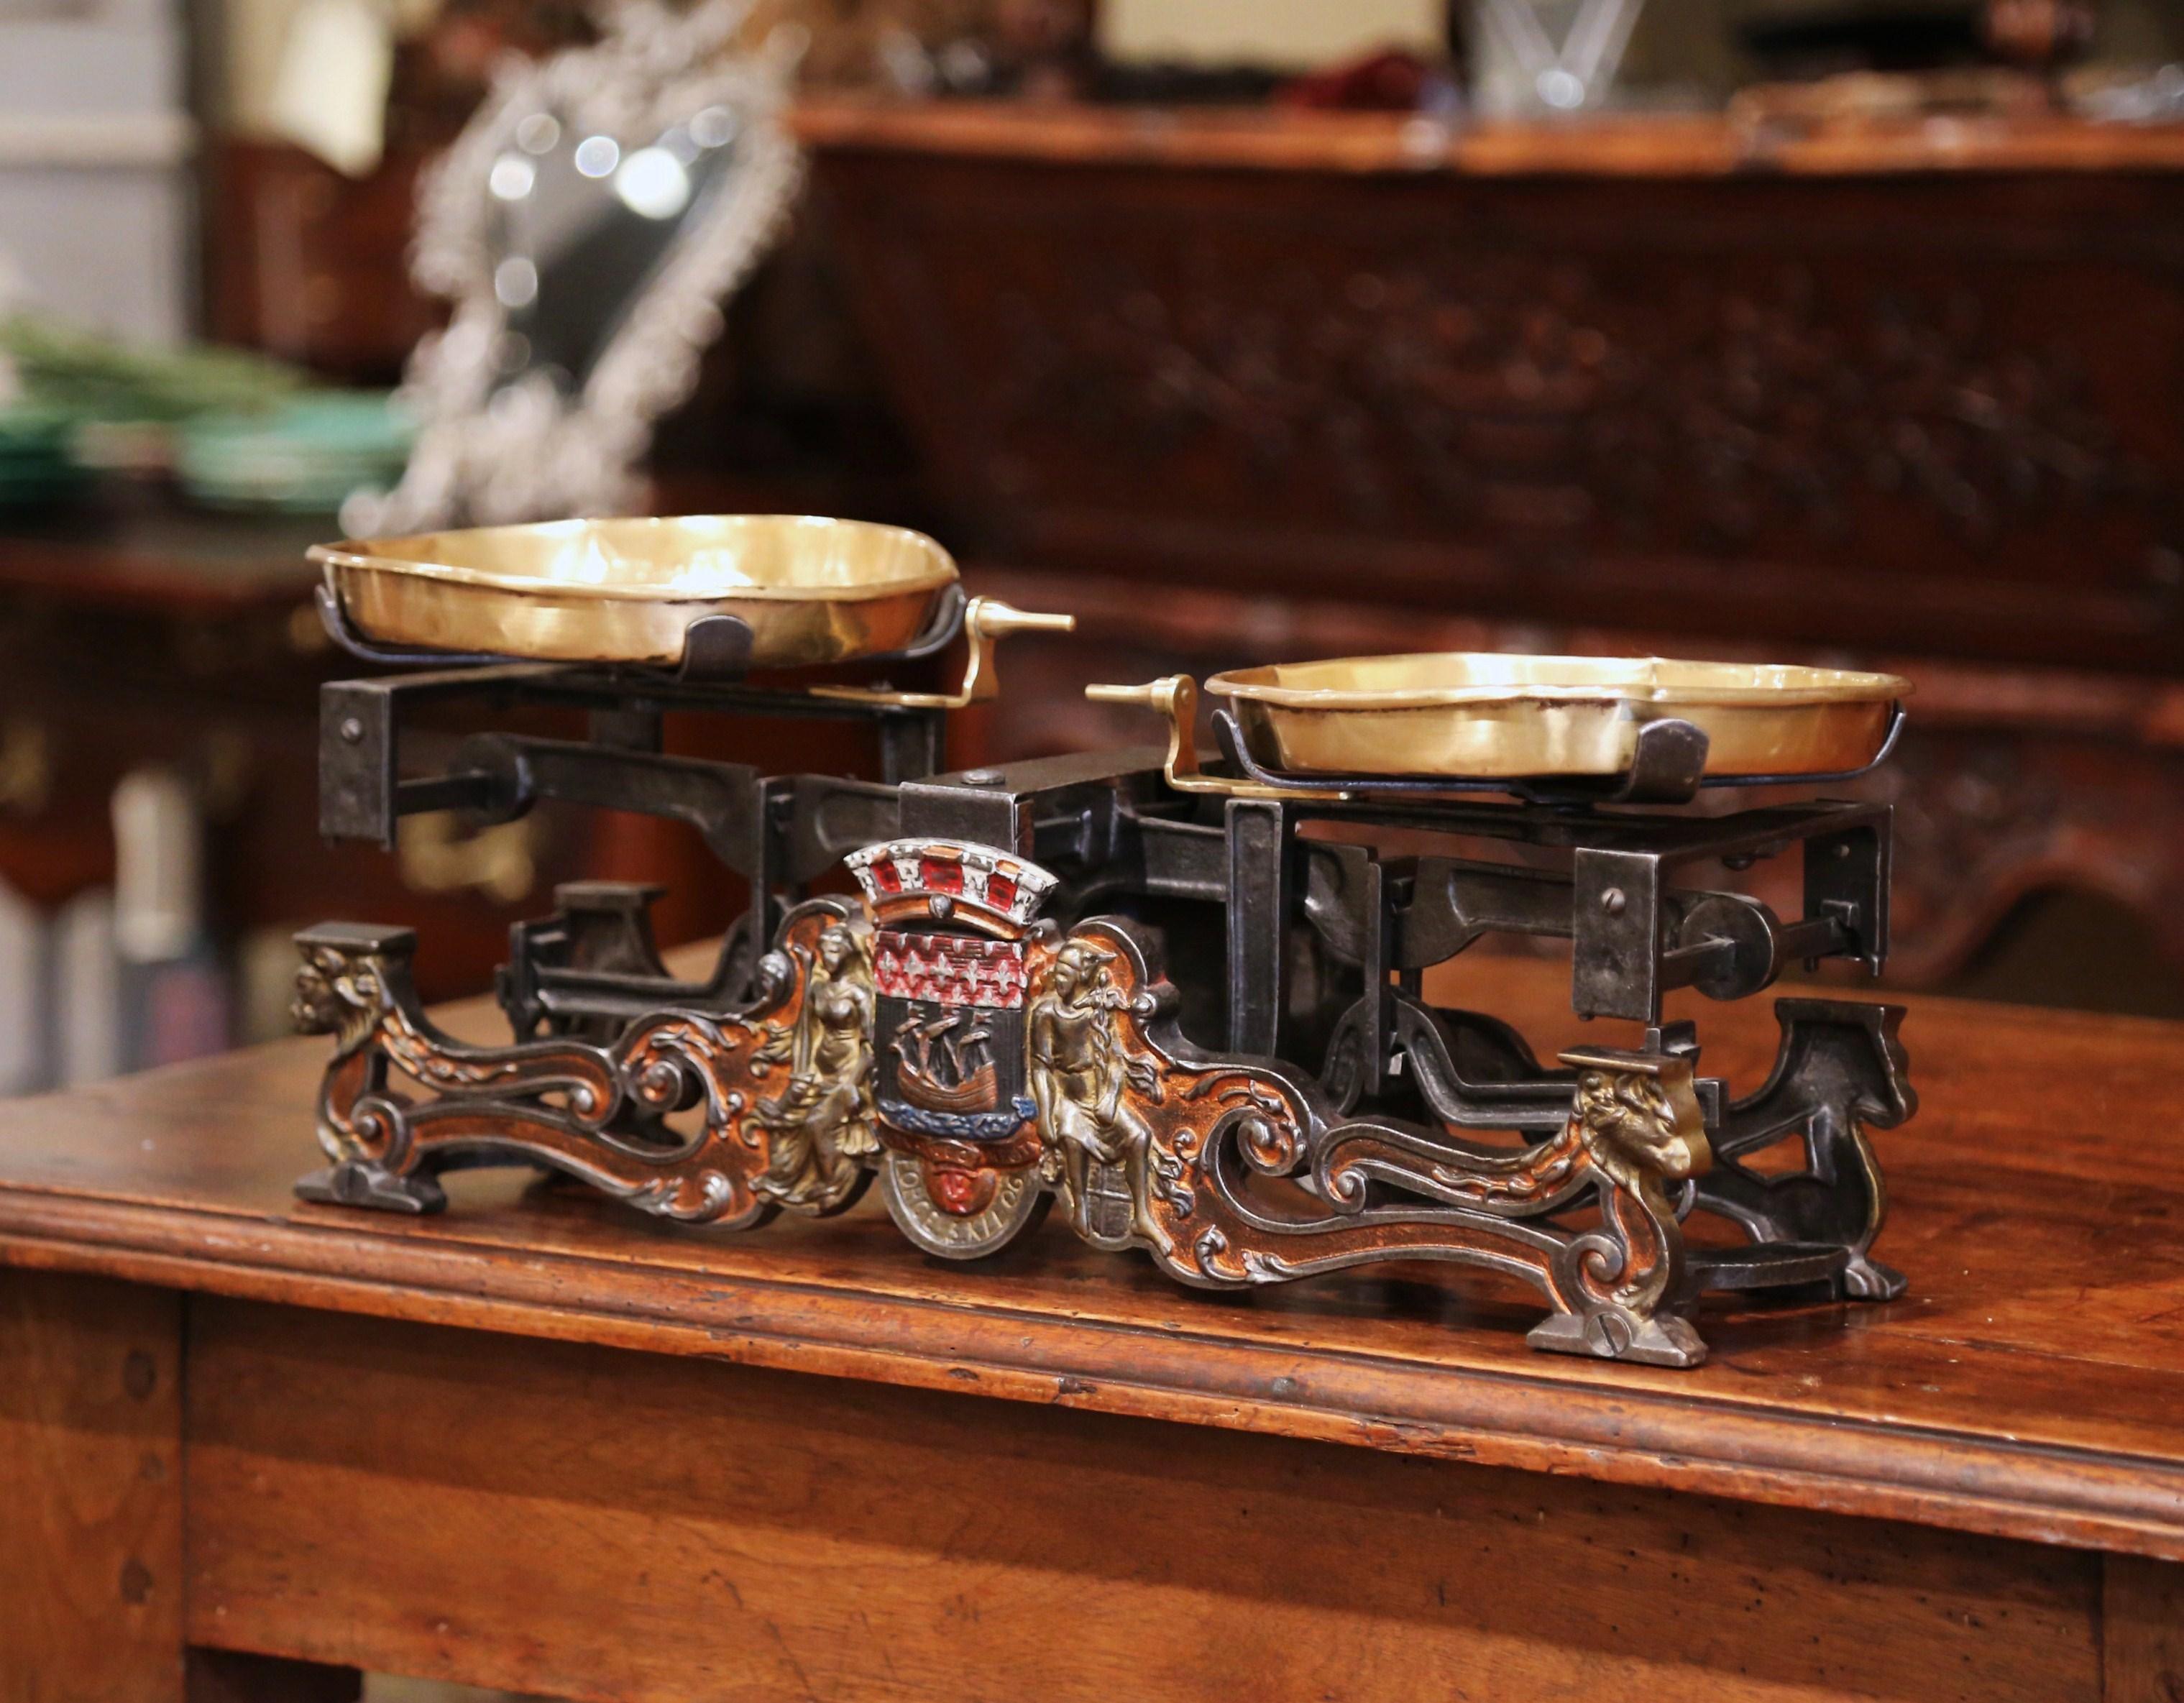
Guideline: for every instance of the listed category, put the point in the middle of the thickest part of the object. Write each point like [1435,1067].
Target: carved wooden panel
[1922,412]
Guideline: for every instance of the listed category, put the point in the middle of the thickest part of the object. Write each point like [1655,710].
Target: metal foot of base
[353,1183]
[1611,1333]
[1868,1280]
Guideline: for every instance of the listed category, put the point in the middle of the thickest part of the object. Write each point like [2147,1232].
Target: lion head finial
[1639,1114]
[342,984]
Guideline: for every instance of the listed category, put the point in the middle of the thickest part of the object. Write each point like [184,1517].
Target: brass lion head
[339,993]
[1639,1114]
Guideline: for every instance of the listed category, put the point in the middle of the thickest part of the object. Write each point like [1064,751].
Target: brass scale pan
[816,590]
[812,591]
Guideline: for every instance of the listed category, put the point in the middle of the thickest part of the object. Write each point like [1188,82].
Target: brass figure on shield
[822,1122]
[1098,1146]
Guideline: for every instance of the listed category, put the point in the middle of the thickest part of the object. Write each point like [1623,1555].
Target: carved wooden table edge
[1583,1420]
[1650,146]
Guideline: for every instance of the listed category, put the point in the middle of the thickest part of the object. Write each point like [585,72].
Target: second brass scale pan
[1491,717]
[815,591]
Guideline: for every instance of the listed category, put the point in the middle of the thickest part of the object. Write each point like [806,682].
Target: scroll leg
[1636,1117]
[352,979]
[355,982]
[1846,1215]
[1840,1068]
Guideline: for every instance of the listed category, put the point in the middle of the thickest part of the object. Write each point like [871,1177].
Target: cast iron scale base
[990,1027]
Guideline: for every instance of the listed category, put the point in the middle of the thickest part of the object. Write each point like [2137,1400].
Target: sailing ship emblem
[945,1063]
[951,1024]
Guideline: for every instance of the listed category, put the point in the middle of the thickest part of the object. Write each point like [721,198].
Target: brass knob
[995,618]
[1172,695]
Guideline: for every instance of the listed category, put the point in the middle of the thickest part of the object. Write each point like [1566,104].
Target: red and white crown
[1010,888]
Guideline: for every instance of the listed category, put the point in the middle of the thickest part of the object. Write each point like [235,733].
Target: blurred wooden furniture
[311,265]
[138,632]
[547,1444]
[1246,386]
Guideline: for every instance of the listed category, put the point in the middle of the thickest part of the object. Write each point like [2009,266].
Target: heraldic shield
[957,1117]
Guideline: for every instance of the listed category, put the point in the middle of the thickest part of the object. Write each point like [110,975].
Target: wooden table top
[2030,1385]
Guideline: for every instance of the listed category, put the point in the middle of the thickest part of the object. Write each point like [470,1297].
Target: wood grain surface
[596,1524]
[2027,1387]
[91,1494]
[2143,1631]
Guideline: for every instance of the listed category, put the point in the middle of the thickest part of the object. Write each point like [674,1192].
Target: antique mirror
[587,227]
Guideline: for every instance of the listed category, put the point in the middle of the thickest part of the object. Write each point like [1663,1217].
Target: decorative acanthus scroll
[779,1094]
[983,1064]
[1198,1160]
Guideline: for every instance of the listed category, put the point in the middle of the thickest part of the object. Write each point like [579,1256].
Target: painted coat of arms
[951,974]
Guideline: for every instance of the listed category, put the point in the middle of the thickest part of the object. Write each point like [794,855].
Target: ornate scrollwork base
[983,1065]
[781,1091]
[1840,1070]
[1233,1172]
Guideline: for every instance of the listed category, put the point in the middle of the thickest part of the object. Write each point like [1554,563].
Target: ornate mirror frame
[491,451]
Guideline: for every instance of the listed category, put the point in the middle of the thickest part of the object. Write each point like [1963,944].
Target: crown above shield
[971,882]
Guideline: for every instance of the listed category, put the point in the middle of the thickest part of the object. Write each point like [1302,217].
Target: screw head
[1613,901]
[981,778]
[351,732]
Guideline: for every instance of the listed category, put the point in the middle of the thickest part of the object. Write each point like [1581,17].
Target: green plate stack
[36,471]
[303,455]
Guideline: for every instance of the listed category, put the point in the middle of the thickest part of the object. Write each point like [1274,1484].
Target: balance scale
[1129,982]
